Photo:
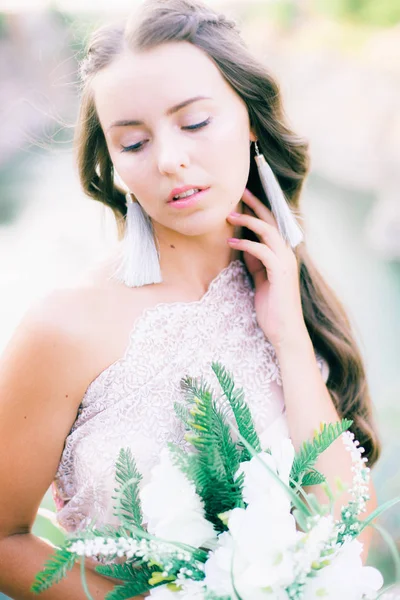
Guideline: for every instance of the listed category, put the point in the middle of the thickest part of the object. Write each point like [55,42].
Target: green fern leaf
[138,585]
[313,477]
[193,388]
[307,456]
[180,458]
[124,592]
[54,570]
[182,412]
[124,572]
[128,477]
[240,409]
[213,467]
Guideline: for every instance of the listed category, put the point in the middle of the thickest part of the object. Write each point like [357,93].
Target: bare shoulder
[49,338]
[91,318]
[59,324]
[62,312]
[75,309]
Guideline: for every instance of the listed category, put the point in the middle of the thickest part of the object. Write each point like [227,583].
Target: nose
[171,155]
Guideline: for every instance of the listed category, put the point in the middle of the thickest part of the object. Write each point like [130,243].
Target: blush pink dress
[131,402]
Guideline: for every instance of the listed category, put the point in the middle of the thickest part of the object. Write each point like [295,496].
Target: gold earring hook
[128,197]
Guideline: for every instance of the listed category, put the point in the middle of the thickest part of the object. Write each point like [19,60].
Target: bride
[181,132]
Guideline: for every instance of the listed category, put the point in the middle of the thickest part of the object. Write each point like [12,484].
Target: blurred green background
[338,65]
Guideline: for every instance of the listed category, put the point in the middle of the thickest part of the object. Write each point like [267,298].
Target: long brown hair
[160,21]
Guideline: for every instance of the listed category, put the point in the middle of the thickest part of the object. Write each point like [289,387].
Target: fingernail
[233,240]
[234,214]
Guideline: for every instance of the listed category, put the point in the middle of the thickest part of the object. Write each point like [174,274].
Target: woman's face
[152,146]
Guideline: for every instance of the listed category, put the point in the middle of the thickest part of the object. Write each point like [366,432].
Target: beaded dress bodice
[131,402]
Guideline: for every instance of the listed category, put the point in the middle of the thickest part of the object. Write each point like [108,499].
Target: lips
[185,188]
[188,201]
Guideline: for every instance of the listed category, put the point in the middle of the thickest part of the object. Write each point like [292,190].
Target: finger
[259,208]
[268,234]
[260,251]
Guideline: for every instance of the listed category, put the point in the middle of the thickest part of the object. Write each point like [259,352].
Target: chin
[202,224]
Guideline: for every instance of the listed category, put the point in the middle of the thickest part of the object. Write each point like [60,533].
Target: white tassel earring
[287,224]
[139,260]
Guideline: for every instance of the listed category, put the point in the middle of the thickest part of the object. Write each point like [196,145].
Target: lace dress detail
[131,402]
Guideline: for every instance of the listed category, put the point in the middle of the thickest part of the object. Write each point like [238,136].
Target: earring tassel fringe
[281,210]
[139,263]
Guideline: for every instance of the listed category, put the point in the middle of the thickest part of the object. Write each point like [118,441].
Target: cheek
[233,166]
[230,151]
[232,130]
[134,174]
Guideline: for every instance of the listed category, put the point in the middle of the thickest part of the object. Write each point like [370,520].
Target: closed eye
[139,146]
[198,125]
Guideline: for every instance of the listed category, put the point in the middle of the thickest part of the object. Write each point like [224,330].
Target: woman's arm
[308,404]
[23,555]
[43,376]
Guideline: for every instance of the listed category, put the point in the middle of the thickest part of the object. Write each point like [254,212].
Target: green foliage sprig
[213,467]
[303,471]
[55,569]
[128,502]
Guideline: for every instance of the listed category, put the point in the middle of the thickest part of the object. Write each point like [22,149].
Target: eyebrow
[170,111]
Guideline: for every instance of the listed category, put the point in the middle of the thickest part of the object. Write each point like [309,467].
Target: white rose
[256,549]
[218,566]
[260,485]
[345,577]
[263,540]
[171,507]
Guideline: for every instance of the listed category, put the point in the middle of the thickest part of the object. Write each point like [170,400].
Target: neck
[192,262]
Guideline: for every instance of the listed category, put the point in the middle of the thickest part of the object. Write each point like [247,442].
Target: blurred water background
[338,64]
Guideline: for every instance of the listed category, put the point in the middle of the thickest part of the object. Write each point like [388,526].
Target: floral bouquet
[229,519]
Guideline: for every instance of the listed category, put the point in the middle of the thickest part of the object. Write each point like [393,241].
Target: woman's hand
[273,266]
